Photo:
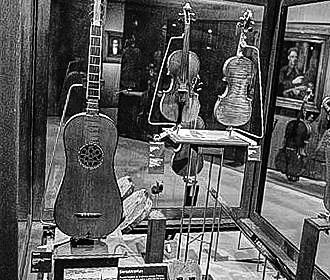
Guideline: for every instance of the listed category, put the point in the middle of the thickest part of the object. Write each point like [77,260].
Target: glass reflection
[296,176]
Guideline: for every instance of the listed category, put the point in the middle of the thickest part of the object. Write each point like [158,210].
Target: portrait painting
[299,69]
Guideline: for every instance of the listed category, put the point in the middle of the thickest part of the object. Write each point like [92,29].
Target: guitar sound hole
[90,156]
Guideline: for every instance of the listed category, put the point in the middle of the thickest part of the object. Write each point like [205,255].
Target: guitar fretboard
[94,70]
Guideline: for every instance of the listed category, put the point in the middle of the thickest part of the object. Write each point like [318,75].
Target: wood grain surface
[86,190]
[234,107]
[9,97]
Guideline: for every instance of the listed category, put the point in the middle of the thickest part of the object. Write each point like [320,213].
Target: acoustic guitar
[89,203]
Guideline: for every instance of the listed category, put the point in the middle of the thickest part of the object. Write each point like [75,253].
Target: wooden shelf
[214,138]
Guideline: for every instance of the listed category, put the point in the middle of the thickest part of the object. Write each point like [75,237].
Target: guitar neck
[94,70]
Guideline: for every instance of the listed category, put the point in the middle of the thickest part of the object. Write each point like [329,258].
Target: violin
[290,158]
[179,103]
[233,108]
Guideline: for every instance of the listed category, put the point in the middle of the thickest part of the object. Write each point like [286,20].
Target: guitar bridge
[88,215]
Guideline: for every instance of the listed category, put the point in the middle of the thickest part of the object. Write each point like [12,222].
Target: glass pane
[135,38]
[116,72]
[297,169]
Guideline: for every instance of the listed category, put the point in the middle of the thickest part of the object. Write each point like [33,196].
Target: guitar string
[93,120]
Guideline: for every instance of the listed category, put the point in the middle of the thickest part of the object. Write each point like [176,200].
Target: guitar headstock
[98,12]
[246,22]
[188,15]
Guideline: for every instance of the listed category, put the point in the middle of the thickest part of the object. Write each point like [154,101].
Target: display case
[235,196]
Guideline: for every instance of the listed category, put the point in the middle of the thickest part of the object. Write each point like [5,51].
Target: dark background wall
[9,97]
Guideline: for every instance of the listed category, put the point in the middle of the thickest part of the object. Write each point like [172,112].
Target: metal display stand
[211,143]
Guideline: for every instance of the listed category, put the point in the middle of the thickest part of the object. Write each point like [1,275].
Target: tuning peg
[180,14]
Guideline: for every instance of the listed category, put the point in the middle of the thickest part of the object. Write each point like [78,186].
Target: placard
[41,262]
[91,273]
[152,272]
[156,157]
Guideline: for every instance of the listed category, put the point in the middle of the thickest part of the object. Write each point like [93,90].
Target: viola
[291,157]
[179,103]
[180,160]
[233,108]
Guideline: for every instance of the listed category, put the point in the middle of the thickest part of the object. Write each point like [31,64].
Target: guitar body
[89,203]
[234,108]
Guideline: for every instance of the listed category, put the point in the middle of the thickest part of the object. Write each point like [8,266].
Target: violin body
[89,203]
[234,108]
[297,134]
[169,102]
[291,158]
[180,160]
